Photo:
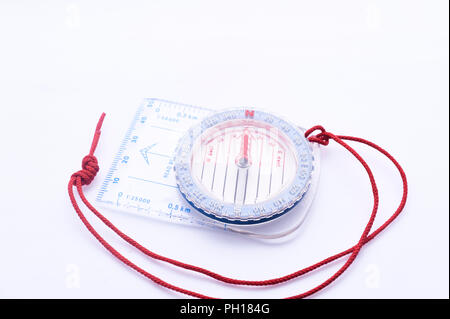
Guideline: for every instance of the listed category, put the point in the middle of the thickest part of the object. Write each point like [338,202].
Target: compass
[243,166]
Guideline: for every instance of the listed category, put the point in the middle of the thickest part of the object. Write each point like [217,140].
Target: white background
[375,69]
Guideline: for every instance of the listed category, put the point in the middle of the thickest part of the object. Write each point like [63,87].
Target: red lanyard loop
[90,168]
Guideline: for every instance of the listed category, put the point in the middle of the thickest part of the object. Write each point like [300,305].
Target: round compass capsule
[243,166]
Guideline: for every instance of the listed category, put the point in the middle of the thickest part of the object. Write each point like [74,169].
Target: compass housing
[243,166]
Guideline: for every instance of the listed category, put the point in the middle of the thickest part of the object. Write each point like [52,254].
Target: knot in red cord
[322,138]
[90,169]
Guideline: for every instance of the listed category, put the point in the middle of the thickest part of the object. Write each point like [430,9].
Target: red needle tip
[243,159]
[245,148]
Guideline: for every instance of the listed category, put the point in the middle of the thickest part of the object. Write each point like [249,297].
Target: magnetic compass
[243,166]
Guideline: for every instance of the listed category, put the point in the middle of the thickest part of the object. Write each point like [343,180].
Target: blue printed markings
[177,207]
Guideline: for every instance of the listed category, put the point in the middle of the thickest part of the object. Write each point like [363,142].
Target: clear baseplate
[247,172]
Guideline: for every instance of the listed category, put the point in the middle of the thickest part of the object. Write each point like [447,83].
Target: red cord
[90,169]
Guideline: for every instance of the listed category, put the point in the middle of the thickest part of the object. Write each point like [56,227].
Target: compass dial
[243,166]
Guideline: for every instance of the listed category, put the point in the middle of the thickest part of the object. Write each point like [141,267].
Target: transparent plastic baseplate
[142,181]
